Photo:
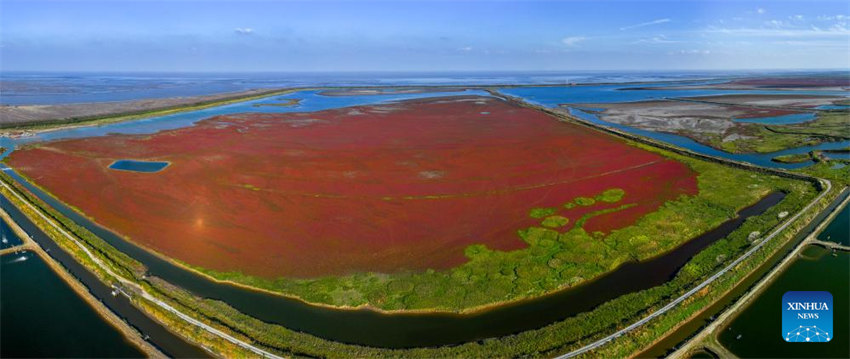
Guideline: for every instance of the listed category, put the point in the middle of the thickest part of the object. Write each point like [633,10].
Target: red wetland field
[385,188]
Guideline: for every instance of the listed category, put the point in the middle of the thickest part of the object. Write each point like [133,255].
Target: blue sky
[196,35]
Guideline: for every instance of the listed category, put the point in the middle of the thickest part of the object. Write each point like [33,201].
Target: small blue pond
[780,120]
[138,166]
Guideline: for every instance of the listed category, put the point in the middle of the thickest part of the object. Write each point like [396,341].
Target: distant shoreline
[22,120]
[40,117]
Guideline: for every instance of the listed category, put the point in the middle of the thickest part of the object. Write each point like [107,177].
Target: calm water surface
[757,331]
[42,317]
[789,119]
[839,229]
[8,238]
[138,166]
[819,269]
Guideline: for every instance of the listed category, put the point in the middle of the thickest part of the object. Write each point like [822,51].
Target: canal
[42,317]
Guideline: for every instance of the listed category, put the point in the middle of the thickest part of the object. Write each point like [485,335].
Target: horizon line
[424,71]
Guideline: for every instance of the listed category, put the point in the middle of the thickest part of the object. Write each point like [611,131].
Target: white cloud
[573,40]
[244,30]
[690,52]
[811,32]
[648,23]
[761,10]
[660,39]
[775,24]
[838,17]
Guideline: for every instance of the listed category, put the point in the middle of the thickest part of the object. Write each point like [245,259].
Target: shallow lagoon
[138,166]
[780,120]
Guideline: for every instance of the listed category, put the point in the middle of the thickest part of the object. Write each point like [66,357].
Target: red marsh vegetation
[387,188]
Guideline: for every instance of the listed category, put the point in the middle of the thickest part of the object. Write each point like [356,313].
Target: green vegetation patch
[794,158]
[839,175]
[250,187]
[555,221]
[583,219]
[611,195]
[584,201]
[541,212]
